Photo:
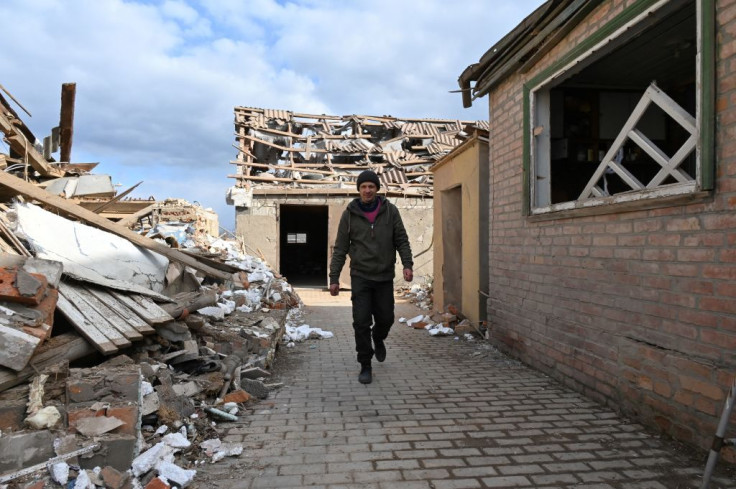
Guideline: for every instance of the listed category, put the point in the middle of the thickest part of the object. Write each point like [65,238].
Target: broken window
[621,122]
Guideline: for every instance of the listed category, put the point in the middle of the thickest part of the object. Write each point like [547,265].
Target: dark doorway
[452,245]
[303,244]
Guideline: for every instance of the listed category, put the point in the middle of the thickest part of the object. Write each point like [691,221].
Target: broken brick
[112,384]
[157,483]
[42,332]
[31,290]
[75,414]
[48,306]
[464,327]
[128,415]
[238,396]
[114,479]
[12,414]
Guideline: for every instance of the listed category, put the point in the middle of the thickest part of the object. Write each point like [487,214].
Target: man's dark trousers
[373,304]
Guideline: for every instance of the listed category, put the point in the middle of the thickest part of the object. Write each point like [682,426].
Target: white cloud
[157,81]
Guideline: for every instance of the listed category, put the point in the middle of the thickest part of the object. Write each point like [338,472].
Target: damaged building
[611,222]
[296,173]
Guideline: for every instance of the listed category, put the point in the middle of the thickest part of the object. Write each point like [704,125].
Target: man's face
[367,192]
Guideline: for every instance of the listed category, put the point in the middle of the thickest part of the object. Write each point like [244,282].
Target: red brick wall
[637,309]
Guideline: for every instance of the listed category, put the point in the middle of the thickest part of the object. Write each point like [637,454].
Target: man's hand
[334,289]
[408,274]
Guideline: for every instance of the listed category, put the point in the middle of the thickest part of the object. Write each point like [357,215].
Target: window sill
[625,202]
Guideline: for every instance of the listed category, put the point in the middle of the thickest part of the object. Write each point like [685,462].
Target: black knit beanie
[368,176]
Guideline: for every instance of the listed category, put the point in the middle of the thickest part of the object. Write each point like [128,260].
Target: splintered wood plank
[128,221]
[144,307]
[65,347]
[85,327]
[101,322]
[115,320]
[122,310]
[22,146]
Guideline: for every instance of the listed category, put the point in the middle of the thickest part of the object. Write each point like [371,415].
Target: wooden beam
[15,100]
[85,327]
[317,117]
[300,138]
[285,180]
[31,191]
[90,322]
[132,219]
[63,348]
[22,146]
[309,182]
[78,167]
[291,192]
[148,310]
[102,207]
[340,166]
[66,120]
[248,137]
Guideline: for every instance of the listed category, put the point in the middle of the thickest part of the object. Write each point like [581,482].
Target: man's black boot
[379,349]
[366,375]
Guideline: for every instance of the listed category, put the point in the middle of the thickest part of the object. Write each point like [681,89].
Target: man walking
[371,232]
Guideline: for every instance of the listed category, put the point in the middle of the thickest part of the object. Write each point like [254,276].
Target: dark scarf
[368,207]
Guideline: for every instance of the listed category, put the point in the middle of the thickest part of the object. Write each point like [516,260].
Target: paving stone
[510,481]
[455,484]
[277,482]
[482,471]
[397,464]
[336,478]
[436,417]
[378,476]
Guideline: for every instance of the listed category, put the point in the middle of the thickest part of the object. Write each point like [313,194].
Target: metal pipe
[221,414]
[718,441]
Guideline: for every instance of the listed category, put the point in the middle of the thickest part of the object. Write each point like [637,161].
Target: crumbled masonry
[123,346]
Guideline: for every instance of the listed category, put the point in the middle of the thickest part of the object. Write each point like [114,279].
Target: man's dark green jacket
[372,247]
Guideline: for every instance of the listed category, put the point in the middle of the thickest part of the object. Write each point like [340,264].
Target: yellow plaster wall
[462,169]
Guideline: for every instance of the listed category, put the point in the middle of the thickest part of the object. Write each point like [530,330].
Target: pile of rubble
[164,368]
[124,341]
[418,294]
[447,323]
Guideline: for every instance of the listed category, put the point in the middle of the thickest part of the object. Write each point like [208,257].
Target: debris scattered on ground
[126,338]
[418,294]
[447,323]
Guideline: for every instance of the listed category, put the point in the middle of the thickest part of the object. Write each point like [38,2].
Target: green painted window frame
[707,29]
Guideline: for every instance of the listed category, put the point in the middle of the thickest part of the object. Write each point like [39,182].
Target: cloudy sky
[157,81]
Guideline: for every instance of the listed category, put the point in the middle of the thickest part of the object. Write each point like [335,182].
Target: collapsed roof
[278,148]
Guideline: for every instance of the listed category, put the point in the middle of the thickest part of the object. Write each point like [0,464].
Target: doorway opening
[303,244]
[452,237]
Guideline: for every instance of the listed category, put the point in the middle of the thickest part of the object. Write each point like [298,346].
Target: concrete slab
[21,450]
